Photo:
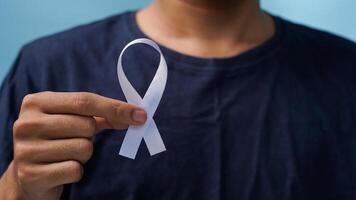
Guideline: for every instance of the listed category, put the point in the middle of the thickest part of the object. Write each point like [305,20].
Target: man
[255,107]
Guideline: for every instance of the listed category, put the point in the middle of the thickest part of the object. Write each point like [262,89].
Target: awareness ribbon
[149,102]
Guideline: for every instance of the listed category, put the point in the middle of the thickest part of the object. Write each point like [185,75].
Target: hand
[52,138]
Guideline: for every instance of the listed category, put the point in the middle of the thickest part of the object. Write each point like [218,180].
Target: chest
[227,137]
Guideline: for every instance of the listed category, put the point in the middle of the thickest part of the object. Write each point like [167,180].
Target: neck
[210,28]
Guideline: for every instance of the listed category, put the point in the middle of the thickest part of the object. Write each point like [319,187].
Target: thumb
[102,123]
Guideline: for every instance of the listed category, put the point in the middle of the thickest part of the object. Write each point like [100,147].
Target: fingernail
[139,115]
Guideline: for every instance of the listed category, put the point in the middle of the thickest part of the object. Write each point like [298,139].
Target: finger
[59,126]
[54,174]
[50,151]
[88,104]
[102,123]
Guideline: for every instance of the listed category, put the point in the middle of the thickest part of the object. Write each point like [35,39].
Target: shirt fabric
[274,123]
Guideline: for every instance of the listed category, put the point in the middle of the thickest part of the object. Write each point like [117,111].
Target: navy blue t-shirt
[276,122]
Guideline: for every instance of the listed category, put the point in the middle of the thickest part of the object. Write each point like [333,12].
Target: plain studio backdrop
[22,21]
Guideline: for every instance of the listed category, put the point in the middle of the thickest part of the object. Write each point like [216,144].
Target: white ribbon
[150,101]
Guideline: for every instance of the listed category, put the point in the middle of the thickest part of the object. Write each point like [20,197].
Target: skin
[53,139]
[54,131]
[209,28]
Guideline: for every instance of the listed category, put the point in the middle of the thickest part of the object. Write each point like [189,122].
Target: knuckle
[75,170]
[90,126]
[123,112]
[21,152]
[22,126]
[18,127]
[25,174]
[29,101]
[120,111]
[45,93]
[82,100]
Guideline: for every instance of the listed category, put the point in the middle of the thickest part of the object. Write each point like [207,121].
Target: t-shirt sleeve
[353,163]
[18,83]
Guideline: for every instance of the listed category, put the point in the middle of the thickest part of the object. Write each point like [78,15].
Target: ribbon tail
[132,141]
[153,139]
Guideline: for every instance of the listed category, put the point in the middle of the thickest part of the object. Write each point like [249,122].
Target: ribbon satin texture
[149,102]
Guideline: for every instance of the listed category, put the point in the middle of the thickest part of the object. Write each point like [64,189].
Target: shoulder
[320,62]
[321,67]
[70,53]
[319,54]
[321,44]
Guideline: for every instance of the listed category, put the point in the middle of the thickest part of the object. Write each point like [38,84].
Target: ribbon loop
[149,131]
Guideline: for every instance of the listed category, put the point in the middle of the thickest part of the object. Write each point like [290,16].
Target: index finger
[90,104]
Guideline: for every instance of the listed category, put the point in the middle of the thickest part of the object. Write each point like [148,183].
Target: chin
[213,3]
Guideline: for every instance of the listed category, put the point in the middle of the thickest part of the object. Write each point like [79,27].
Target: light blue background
[24,20]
